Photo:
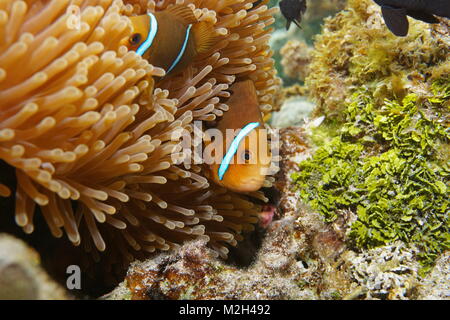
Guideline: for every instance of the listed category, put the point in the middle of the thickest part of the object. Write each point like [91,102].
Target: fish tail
[204,36]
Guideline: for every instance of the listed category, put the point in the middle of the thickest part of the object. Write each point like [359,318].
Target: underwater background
[362,207]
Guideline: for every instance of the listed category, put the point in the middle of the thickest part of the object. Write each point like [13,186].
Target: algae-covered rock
[21,276]
[193,273]
[383,151]
[356,49]
[296,59]
[389,166]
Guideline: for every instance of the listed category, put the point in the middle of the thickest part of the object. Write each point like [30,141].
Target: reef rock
[292,113]
[388,272]
[436,285]
[21,276]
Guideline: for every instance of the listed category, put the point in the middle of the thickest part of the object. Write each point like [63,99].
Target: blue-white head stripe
[151,35]
[234,147]
[183,49]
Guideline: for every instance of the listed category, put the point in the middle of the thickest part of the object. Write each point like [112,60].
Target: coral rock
[21,276]
[296,59]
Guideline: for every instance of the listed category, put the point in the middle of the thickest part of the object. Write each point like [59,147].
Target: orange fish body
[250,158]
[171,38]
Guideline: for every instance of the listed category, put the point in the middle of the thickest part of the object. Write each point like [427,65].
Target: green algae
[389,165]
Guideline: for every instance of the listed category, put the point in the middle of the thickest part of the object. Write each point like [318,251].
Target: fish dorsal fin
[396,20]
[182,13]
[204,36]
[243,106]
[246,90]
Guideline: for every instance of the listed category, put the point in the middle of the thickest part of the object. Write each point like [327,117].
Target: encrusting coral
[93,141]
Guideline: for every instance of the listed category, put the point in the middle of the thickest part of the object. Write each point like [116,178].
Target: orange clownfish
[171,38]
[246,157]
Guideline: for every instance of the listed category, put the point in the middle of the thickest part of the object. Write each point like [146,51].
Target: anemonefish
[171,38]
[245,155]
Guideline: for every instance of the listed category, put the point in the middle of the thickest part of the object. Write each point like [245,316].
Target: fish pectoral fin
[297,23]
[204,36]
[422,16]
[396,20]
[182,13]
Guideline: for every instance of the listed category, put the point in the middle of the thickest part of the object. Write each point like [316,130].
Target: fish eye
[135,39]
[247,156]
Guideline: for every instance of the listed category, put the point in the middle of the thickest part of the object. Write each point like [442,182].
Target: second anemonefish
[246,155]
[171,38]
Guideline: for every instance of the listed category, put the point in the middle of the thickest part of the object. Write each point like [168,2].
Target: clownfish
[245,157]
[171,38]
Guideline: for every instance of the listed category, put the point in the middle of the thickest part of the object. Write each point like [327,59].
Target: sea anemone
[93,131]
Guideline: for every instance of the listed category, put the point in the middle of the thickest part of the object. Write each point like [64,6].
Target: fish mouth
[251,185]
